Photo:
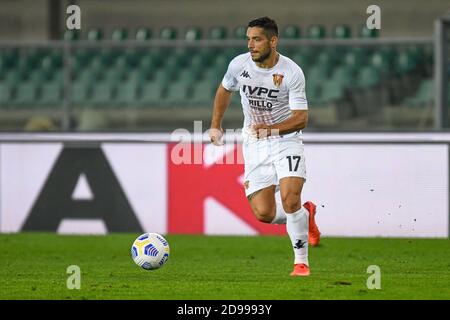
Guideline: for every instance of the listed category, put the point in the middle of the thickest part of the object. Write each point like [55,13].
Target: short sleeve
[297,94]
[230,81]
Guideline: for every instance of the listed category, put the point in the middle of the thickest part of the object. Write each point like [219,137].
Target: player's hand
[216,135]
[260,130]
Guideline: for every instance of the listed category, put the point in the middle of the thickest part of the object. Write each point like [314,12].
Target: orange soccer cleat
[313,232]
[300,270]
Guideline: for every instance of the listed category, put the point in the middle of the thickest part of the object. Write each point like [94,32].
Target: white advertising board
[373,189]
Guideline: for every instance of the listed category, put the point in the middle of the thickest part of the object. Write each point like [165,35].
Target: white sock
[280,214]
[297,228]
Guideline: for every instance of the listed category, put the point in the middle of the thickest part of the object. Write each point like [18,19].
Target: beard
[263,56]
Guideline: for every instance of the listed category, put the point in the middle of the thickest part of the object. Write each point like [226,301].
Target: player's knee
[264,214]
[291,202]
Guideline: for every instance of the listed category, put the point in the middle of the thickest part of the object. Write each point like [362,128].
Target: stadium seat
[318,72]
[202,93]
[196,68]
[152,94]
[165,76]
[171,68]
[232,52]
[214,74]
[128,93]
[406,62]
[291,32]
[52,61]
[316,32]
[181,56]
[81,57]
[302,60]
[193,33]
[39,76]
[71,35]
[51,94]
[143,34]
[58,76]
[108,56]
[26,94]
[310,53]
[26,63]
[80,92]
[203,59]
[4,66]
[168,33]
[125,61]
[342,32]
[95,34]
[424,96]
[221,61]
[381,62]
[103,94]
[240,32]
[218,33]
[139,75]
[316,75]
[343,75]
[364,32]
[331,91]
[417,53]
[9,57]
[89,75]
[147,63]
[6,90]
[14,76]
[367,77]
[178,94]
[355,58]
[114,75]
[189,75]
[130,57]
[313,90]
[119,34]
[327,59]
[388,52]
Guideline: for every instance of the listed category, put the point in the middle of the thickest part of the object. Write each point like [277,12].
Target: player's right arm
[221,103]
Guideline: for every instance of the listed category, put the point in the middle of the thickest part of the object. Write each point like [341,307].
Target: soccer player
[272,89]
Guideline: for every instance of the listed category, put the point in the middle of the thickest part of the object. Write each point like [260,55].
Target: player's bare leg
[267,207]
[263,204]
[297,222]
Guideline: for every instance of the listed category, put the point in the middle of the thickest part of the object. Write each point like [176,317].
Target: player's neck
[270,61]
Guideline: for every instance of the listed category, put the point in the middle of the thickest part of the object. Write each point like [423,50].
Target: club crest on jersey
[277,79]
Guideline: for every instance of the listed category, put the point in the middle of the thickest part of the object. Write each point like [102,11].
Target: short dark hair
[268,25]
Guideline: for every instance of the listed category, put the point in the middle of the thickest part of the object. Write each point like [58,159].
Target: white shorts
[269,160]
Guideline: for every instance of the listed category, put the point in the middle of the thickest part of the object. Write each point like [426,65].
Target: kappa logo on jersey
[245,74]
[277,79]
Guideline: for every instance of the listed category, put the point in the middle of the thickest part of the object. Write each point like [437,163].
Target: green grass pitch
[34,266]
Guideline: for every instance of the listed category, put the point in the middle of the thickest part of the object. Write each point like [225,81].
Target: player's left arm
[297,121]
[299,109]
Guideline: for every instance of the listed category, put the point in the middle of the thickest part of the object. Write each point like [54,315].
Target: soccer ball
[150,251]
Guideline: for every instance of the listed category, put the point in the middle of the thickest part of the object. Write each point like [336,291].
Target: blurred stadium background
[155,65]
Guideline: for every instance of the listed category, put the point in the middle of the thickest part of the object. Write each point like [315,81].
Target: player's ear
[274,41]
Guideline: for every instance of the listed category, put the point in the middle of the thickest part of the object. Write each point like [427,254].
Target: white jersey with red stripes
[267,95]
